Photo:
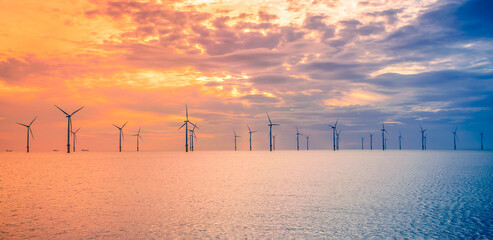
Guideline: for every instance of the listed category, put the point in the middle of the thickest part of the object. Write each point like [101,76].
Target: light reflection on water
[283,194]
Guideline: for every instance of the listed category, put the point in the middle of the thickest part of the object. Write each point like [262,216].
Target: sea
[348,194]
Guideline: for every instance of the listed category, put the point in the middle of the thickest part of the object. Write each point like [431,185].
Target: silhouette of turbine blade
[182,126]
[62,110]
[31,131]
[116,126]
[33,121]
[140,137]
[23,124]
[124,124]
[250,130]
[76,130]
[269,118]
[138,131]
[76,111]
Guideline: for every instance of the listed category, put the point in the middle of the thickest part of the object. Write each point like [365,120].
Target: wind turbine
[362,141]
[192,136]
[250,132]
[400,139]
[371,140]
[481,134]
[274,141]
[121,134]
[270,130]
[31,131]
[69,125]
[337,139]
[307,140]
[236,136]
[138,136]
[334,130]
[298,139]
[74,138]
[383,136]
[455,138]
[186,129]
[423,138]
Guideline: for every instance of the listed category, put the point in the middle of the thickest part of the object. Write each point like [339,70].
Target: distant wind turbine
[337,139]
[193,136]
[29,131]
[74,138]
[423,137]
[69,125]
[250,132]
[236,136]
[383,136]
[186,128]
[270,130]
[455,138]
[138,136]
[481,134]
[371,140]
[400,139]
[307,140]
[425,140]
[298,139]
[334,130]
[362,141]
[121,135]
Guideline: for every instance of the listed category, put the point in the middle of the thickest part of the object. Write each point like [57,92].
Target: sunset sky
[307,63]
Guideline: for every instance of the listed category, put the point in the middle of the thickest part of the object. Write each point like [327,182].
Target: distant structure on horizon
[186,128]
[455,138]
[29,131]
[250,132]
[236,136]
[334,131]
[298,139]
[270,131]
[307,140]
[481,134]
[423,138]
[400,140]
[120,135]
[74,134]
[362,143]
[371,140]
[69,127]
[383,137]
[138,136]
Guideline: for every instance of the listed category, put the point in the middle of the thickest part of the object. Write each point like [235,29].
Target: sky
[404,63]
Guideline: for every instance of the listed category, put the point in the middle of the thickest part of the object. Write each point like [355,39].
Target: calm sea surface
[255,195]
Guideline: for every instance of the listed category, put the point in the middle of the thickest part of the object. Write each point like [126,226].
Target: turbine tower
[481,134]
[371,140]
[138,136]
[298,139]
[423,138]
[400,139]
[383,136]
[362,141]
[337,139]
[274,141]
[334,130]
[186,128]
[69,125]
[121,135]
[307,140]
[455,138]
[236,136]
[270,131]
[74,138]
[31,131]
[192,137]
[250,132]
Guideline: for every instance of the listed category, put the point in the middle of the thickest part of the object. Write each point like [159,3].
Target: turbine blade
[269,118]
[31,131]
[138,131]
[116,126]
[186,109]
[124,124]
[61,110]
[123,136]
[195,126]
[182,126]
[275,124]
[335,125]
[76,111]
[23,124]
[140,137]
[250,130]
[76,130]
[33,121]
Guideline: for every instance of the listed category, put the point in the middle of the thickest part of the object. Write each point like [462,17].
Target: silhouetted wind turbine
[400,139]
[69,125]
[383,136]
[422,137]
[337,139]
[74,138]
[307,140]
[334,130]
[274,141]
[362,141]
[371,140]
[236,136]
[121,135]
[425,140]
[186,129]
[270,130]
[138,136]
[481,134]
[28,131]
[250,132]
[298,139]
[192,137]
[455,138]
